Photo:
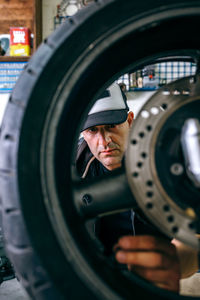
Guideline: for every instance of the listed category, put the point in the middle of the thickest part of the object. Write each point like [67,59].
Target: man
[151,256]
[122,86]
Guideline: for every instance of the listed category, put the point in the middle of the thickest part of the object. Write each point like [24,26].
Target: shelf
[14,58]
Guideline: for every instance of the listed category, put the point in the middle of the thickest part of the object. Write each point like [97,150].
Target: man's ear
[130,118]
[83,134]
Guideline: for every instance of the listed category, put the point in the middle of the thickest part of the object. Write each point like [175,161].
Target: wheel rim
[171,105]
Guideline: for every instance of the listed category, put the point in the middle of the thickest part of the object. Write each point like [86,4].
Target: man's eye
[92,129]
[112,126]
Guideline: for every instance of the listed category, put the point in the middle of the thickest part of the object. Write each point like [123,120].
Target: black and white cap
[110,108]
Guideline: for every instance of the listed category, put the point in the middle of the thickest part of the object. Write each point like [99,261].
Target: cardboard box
[20,41]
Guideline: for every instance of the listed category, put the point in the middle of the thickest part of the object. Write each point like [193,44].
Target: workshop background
[37,20]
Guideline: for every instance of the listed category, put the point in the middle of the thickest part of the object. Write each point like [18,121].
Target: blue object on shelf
[143,89]
[9,74]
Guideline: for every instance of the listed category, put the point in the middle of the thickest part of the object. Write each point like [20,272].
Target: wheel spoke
[104,195]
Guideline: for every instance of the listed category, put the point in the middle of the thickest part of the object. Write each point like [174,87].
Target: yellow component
[190,212]
[20,50]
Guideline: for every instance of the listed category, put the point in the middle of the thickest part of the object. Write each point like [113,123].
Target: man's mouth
[108,151]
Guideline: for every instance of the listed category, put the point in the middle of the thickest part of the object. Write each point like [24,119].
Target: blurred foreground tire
[46,240]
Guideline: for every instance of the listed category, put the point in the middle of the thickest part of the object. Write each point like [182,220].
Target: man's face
[109,142]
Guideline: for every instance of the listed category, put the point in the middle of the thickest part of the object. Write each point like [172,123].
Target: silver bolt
[176,169]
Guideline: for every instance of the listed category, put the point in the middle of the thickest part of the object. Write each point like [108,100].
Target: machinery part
[155,163]
[43,213]
[6,268]
[177,169]
[190,139]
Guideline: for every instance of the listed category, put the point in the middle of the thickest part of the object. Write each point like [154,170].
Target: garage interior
[146,82]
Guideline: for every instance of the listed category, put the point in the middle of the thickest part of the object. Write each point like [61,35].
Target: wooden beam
[16,13]
[5,26]
[37,23]
[22,13]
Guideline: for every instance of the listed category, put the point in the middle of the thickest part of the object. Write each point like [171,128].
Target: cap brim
[105,118]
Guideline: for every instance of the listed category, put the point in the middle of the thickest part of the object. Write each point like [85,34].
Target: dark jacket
[110,228]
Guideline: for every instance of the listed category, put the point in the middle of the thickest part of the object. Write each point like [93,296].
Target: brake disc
[155,163]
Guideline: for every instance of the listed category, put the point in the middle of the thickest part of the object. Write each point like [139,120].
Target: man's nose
[104,138]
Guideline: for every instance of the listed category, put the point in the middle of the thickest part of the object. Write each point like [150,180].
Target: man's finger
[168,277]
[149,243]
[148,259]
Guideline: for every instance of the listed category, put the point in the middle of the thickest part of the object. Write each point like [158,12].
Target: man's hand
[153,258]
[188,258]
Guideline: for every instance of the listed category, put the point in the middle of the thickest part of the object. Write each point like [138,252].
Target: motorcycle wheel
[43,221]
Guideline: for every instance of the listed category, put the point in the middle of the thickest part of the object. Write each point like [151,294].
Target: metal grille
[171,71]
[154,76]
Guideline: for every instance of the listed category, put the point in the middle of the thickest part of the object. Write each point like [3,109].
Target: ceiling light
[71,9]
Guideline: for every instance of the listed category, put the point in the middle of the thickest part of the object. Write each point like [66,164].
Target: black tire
[45,235]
